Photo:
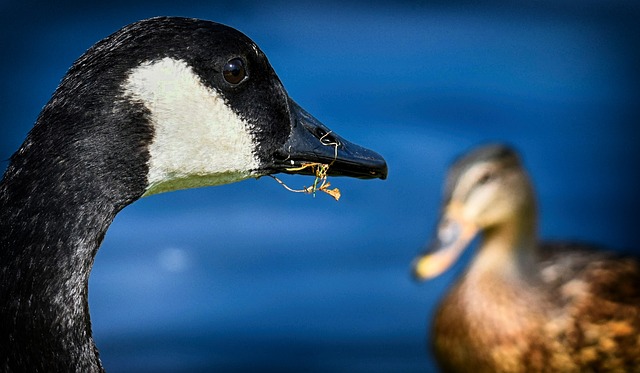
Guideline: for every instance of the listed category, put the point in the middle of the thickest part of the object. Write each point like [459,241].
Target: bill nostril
[326,138]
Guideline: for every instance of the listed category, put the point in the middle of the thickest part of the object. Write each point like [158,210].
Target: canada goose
[162,104]
[522,305]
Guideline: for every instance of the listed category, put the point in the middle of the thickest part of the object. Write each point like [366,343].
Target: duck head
[487,191]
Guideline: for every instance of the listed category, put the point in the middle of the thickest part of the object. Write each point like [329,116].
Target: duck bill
[454,233]
[312,142]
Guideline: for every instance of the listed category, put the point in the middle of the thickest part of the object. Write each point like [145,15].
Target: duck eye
[234,71]
[485,178]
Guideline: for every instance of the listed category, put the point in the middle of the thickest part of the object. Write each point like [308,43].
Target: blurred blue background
[250,277]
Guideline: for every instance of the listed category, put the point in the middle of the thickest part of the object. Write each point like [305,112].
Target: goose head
[189,103]
[487,191]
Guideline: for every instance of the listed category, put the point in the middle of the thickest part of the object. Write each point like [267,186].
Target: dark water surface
[250,277]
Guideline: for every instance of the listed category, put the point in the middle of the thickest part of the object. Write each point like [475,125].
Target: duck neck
[57,199]
[510,247]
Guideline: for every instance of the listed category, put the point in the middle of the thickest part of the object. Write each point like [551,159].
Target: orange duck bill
[453,235]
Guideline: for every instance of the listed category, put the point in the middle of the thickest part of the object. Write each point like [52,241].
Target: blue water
[250,277]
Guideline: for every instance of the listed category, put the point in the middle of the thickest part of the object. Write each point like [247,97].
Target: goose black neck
[79,166]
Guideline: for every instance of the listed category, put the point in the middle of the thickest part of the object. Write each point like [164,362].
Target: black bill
[312,142]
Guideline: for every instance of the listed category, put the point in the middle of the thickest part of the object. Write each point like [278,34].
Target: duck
[162,104]
[523,304]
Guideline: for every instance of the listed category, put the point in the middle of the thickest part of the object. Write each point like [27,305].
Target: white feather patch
[199,140]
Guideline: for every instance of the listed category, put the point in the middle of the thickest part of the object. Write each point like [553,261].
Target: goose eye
[234,71]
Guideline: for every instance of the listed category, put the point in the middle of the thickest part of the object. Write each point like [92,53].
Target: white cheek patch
[198,139]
